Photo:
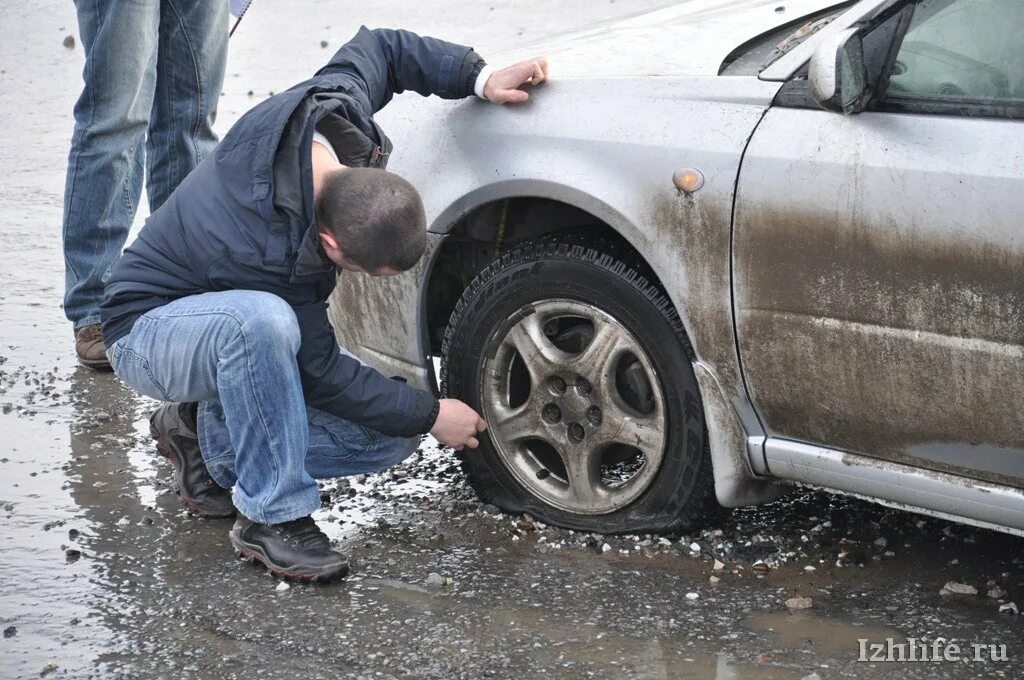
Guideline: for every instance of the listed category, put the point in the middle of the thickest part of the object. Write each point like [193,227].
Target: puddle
[800,631]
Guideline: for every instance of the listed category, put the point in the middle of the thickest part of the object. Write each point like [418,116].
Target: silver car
[732,246]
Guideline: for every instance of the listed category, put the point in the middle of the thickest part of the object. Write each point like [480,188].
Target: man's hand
[503,85]
[457,425]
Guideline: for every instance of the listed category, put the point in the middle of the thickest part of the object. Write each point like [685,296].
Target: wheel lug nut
[576,432]
[557,384]
[583,386]
[551,413]
[594,415]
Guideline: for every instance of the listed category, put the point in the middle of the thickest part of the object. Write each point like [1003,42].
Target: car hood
[691,38]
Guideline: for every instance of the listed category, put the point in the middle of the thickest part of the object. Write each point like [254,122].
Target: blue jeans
[234,352]
[153,74]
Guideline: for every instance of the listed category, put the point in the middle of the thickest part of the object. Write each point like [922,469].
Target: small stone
[810,568]
[434,580]
[812,676]
[996,593]
[954,588]
[692,596]
[10,631]
[718,566]
[69,42]
[605,548]
[323,43]
[102,416]
[73,534]
[714,579]
[881,542]
[695,547]
[1009,608]
[72,555]
[526,525]
[797,603]
[760,568]
[47,669]
[283,585]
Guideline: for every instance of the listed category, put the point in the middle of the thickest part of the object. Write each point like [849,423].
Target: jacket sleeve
[342,386]
[385,62]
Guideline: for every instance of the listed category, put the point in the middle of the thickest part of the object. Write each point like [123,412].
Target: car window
[958,50]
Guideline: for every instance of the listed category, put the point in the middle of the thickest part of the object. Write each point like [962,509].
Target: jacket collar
[310,258]
[356,149]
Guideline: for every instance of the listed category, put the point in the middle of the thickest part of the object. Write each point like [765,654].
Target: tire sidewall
[511,287]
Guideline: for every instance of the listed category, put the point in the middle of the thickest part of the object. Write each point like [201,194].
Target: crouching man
[219,306]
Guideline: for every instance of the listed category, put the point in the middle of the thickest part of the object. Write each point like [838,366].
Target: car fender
[607,146]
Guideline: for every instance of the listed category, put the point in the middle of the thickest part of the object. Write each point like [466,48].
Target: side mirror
[837,73]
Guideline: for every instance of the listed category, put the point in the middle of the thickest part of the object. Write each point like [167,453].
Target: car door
[879,256]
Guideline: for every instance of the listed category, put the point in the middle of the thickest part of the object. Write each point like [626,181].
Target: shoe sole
[101,365]
[169,452]
[255,554]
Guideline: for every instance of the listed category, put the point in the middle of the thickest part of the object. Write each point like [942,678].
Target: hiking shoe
[173,426]
[90,348]
[295,550]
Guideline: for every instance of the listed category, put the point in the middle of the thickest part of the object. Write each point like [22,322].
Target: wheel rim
[574,407]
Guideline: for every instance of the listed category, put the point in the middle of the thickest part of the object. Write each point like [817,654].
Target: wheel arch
[525,208]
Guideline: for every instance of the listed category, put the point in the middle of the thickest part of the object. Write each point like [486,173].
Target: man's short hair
[376,216]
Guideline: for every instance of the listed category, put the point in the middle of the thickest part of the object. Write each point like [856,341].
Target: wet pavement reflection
[106,574]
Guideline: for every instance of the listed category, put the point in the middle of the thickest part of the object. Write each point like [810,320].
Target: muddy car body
[839,277]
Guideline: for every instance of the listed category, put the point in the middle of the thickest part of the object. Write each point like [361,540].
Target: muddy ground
[103,574]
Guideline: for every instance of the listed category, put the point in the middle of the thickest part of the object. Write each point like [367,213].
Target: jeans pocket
[135,372]
[113,354]
[347,439]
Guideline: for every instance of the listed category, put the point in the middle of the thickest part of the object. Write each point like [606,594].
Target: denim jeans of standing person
[234,352]
[153,75]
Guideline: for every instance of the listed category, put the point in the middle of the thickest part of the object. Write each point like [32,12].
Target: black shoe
[173,426]
[294,550]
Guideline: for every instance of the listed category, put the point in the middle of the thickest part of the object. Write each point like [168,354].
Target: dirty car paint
[879,280]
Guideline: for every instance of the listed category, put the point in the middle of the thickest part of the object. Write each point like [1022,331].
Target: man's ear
[329,240]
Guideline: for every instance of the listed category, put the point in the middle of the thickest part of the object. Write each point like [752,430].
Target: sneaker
[90,348]
[295,550]
[173,426]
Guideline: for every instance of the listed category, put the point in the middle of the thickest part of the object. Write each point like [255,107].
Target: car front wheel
[581,369]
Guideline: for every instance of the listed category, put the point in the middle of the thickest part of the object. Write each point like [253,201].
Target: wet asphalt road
[102,573]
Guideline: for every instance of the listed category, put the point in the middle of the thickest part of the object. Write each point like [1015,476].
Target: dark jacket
[244,218]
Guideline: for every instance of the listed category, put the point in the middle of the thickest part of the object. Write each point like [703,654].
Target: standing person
[220,303]
[153,74]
